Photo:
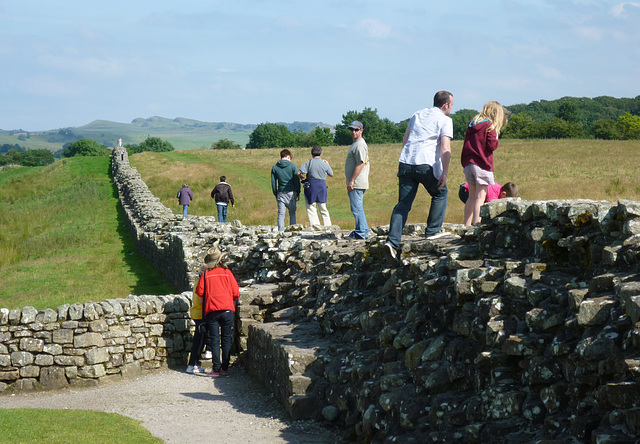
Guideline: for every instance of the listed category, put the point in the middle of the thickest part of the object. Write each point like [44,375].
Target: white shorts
[477,176]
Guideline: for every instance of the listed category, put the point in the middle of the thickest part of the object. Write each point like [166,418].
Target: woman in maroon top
[480,141]
[220,290]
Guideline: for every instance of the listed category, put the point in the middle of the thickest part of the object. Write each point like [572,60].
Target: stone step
[287,359]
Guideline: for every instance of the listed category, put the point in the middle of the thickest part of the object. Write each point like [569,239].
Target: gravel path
[182,408]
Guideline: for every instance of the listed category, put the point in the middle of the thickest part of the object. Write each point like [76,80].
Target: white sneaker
[438,235]
[191,369]
[208,354]
[390,254]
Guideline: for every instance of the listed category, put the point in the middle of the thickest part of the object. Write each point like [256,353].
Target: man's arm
[356,172]
[274,183]
[406,135]
[445,156]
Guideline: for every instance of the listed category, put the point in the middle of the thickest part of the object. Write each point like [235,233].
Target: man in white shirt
[425,158]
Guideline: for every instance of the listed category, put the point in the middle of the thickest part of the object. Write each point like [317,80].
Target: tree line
[17,155]
[569,117]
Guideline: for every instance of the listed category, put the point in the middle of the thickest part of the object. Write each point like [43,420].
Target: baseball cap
[356,124]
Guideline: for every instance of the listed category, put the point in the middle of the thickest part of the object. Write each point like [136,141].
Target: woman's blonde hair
[494,112]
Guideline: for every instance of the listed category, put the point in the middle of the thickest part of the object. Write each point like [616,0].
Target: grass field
[63,239]
[70,427]
[543,169]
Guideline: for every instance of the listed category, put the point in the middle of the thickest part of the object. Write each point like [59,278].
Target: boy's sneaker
[214,374]
[390,254]
[224,373]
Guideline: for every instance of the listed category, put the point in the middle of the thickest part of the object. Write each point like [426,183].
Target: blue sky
[66,63]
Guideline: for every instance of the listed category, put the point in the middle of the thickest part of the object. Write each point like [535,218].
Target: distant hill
[183,133]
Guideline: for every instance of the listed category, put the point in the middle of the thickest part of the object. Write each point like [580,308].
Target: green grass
[543,169]
[63,239]
[70,427]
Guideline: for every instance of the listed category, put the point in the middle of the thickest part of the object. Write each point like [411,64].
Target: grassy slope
[543,169]
[62,238]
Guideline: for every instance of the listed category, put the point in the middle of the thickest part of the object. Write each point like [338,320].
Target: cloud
[621,10]
[374,29]
[590,33]
[549,72]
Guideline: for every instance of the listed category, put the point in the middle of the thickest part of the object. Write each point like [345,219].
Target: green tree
[271,135]
[85,147]
[605,129]
[569,112]
[11,158]
[628,126]
[156,144]
[521,126]
[376,130]
[321,136]
[225,144]
[557,128]
[38,157]
[461,119]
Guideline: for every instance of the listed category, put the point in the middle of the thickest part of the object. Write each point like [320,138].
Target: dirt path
[182,408]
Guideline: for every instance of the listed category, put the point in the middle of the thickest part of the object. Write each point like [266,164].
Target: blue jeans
[357,208]
[409,178]
[286,201]
[184,211]
[220,325]
[222,213]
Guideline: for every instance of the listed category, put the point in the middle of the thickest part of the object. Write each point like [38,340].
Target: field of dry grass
[543,169]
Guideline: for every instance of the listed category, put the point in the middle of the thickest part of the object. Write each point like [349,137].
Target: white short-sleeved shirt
[423,147]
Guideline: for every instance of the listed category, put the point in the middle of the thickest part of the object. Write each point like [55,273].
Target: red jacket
[479,145]
[222,289]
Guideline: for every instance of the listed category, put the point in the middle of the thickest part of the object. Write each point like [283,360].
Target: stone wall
[84,344]
[524,329]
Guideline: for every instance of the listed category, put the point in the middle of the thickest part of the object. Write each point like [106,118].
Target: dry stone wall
[524,329]
[84,344]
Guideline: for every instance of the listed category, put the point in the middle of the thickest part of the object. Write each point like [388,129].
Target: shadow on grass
[148,280]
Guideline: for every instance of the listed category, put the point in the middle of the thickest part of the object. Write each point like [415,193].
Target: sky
[66,63]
